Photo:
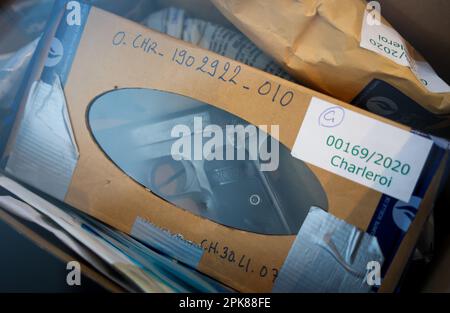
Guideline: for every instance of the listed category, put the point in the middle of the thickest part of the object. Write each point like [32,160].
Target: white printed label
[387,42]
[359,148]
[428,77]
[383,40]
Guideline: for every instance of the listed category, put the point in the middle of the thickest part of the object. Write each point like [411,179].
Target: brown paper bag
[319,43]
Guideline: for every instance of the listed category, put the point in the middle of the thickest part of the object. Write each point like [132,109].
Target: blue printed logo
[55,54]
[403,213]
[382,106]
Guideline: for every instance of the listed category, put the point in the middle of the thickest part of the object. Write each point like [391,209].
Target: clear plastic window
[153,135]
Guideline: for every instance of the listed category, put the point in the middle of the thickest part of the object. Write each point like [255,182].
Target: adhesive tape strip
[45,153]
[328,255]
[173,245]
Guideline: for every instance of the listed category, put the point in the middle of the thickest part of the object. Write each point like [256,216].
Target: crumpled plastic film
[12,71]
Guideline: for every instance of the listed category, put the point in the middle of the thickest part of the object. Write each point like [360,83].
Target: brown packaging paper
[103,63]
[318,42]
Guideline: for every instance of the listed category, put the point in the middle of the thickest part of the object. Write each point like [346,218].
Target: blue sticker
[64,44]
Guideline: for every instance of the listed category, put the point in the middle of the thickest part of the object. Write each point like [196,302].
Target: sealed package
[253,180]
[347,50]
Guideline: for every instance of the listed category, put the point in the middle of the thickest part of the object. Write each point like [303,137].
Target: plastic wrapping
[135,128]
[227,42]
